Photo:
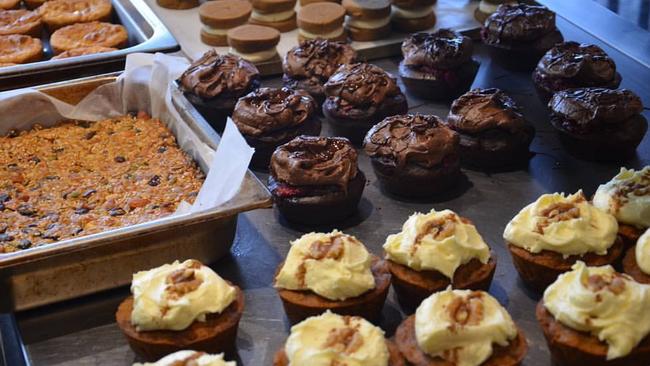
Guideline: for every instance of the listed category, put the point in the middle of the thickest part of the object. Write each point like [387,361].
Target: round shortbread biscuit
[321,18]
[251,38]
[367,9]
[225,14]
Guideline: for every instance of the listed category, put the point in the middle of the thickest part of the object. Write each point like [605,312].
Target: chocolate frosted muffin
[571,65]
[359,96]
[270,117]
[315,180]
[214,82]
[414,155]
[309,65]
[437,65]
[493,132]
[519,35]
[597,123]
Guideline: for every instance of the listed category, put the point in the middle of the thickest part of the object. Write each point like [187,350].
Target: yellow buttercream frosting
[609,305]
[468,322]
[175,295]
[568,225]
[642,252]
[627,196]
[190,358]
[334,265]
[440,241]
[331,339]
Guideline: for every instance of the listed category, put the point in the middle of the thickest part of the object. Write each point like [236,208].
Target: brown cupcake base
[427,86]
[538,270]
[178,4]
[300,305]
[510,355]
[282,26]
[573,348]
[214,39]
[217,334]
[394,357]
[414,24]
[631,267]
[367,35]
[496,149]
[630,234]
[412,286]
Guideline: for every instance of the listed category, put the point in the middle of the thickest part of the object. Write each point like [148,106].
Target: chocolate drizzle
[215,75]
[418,139]
[518,22]
[588,64]
[443,49]
[361,84]
[484,109]
[315,161]
[269,109]
[318,59]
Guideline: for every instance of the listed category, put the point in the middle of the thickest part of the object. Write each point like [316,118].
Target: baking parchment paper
[145,85]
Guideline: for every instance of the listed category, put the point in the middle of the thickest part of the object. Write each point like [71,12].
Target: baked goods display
[315,180]
[93,34]
[219,16]
[596,316]
[461,327]
[419,267]
[188,358]
[270,117]
[598,124]
[413,15]
[367,20]
[321,20]
[488,7]
[144,176]
[20,49]
[180,306]
[414,155]
[332,271]
[59,13]
[254,43]
[437,65]
[278,14]
[337,340]
[20,21]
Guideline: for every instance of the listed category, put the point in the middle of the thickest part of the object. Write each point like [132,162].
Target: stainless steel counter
[83,332]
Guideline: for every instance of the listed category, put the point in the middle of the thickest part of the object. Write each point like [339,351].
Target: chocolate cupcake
[596,316]
[437,65]
[550,235]
[359,96]
[332,271]
[599,124]
[309,65]
[461,327]
[434,251]
[493,131]
[572,65]
[269,117]
[636,262]
[414,155]
[214,83]
[315,180]
[518,35]
[486,8]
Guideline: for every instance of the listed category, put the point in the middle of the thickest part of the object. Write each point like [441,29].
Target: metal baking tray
[89,264]
[146,32]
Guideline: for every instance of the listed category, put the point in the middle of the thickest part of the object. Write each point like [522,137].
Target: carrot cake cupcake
[180,306]
[331,271]
[436,250]
[190,358]
[636,262]
[596,316]
[627,197]
[549,235]
[331,339]
[461,327]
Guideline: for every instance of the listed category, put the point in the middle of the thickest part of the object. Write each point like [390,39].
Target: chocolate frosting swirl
[317,58]
[268,110]
[418,139]
[483,109]
[215,75]
[361,84]
[588,64]
[315,161]
[518,22]
[443,49]
[590,107]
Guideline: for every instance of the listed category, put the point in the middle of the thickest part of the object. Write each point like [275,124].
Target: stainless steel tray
[146,34]
[85,265]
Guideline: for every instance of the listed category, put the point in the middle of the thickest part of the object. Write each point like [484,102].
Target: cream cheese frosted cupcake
[596,316]
[627,197]
[179,306]
[549,235]
[331,339]
[331,271]
[435,250]
[190,358]
[636,262]
[463,328]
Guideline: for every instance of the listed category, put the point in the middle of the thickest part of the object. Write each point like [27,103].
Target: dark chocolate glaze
[518,22]
[485,109]
[361,85]
[443,49]
[588,65]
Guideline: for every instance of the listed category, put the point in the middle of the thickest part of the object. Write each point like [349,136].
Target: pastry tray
[146,34]
[88,264]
